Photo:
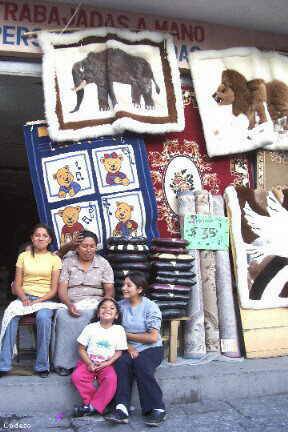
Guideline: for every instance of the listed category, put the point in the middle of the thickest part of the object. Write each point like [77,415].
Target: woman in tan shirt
[85,279]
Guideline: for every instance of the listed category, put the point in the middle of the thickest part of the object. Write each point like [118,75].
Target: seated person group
[85,332]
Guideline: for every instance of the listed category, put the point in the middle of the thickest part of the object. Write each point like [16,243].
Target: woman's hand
[26,301]
[133,352]
[73,311]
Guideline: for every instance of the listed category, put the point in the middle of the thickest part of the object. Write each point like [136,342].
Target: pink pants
[99,397]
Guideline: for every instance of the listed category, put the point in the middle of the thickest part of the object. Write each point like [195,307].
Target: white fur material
[58,63]
[224,132]
[271,234]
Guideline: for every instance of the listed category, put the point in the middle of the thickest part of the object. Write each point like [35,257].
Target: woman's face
[108,311]
[41,239]
[87,249]
[130,290]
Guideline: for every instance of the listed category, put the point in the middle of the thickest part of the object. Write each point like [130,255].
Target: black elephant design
[114,65]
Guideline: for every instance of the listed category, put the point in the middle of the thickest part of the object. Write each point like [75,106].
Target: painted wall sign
[18,17]
[206,232]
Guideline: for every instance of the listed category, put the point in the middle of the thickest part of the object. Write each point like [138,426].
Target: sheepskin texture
[259,222]
[244,103]
[102,82]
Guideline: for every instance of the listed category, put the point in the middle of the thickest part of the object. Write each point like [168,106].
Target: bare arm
[108,289]
[84,356]
[146,338]
[63,296]
[18,286]
[53,290]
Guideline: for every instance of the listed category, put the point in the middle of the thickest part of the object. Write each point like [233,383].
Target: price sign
[206,232]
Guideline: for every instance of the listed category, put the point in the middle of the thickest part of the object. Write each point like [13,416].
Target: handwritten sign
[206,232]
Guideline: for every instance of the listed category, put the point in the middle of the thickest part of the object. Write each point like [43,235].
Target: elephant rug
[104,81]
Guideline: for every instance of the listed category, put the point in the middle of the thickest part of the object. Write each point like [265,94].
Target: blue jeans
[43,323]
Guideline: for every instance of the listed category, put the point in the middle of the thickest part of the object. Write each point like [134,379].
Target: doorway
[21,101]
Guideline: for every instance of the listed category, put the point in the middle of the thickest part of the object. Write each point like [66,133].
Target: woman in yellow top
[36,280]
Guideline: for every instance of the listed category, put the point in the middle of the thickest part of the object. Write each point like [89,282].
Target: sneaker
[83,410]
[117,416]
[155,418]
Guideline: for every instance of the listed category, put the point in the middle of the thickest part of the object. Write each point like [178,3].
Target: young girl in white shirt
[100,344]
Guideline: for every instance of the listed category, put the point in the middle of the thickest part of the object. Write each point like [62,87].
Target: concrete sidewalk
[265,414]
[182,383]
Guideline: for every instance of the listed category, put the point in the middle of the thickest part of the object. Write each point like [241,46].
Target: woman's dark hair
[139,279]
[95,317]
[86,233]
[49,231]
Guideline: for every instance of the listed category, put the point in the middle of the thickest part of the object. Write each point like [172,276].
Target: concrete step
[181,383]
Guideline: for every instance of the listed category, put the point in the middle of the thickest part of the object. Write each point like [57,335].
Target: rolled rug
[170,304]
[139,266]
[169,242]
[155,295]
[194,330]
[176,280]
[229,336]
[172,257]
[175,274]
[169,288]
[172,250]
[204,206]
[171,265]
[126,240]
[126,258]
[122,273]
[173,313]
[128,248]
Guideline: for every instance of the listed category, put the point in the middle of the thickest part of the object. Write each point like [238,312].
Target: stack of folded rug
[127,254]
[173,276]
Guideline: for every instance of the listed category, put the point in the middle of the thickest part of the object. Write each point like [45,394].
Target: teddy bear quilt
[244,103]
[259,221]
[104,81]
[102,185]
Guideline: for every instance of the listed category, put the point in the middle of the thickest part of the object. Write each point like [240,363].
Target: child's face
[108,311]
[130,290]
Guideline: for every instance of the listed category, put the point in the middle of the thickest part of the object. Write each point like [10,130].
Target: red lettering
[54,16]
[174,30]
[25,13]
[10,11]
[109,22]
[40,14]
[96,19]
[81,18]
[187,32]
[161,26]
[199,34]
[141,25]
[123,21]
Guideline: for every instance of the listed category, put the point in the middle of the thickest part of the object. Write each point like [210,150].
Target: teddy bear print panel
[244,104]
[102,185]
[104,81]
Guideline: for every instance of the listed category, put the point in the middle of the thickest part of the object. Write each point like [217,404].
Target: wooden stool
[26,321]
[172,339]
